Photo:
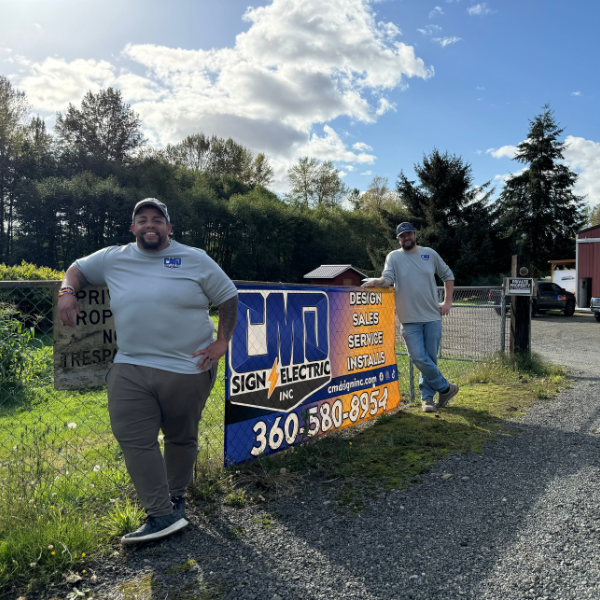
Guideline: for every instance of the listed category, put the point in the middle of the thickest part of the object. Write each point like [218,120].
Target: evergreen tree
[453,216]
[537,208]
[13,113]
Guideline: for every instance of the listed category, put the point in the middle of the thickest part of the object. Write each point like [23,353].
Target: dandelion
[83,571]
[50,547]
[83,556]
[96,468]
[350,443]
[32,565]
[52,553]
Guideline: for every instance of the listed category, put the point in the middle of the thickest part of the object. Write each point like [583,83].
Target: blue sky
[371,85]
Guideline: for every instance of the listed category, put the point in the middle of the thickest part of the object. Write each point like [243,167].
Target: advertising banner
[305,361]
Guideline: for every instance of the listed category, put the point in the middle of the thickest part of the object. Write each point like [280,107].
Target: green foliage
[124,518]
[537,208]
[28,272]
[16,356]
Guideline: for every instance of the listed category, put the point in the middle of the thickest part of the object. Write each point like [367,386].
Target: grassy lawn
[394,450]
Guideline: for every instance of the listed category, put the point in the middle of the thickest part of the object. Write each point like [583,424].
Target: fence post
[520,317]
[503,323]
[411,375]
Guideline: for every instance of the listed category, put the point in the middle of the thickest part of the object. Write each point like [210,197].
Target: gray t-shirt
[159,301]
[413,275]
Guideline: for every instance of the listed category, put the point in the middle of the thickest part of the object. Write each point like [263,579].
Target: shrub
[16,357]
[33,303]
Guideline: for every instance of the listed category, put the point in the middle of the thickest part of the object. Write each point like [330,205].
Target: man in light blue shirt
[160,292]
[411,270]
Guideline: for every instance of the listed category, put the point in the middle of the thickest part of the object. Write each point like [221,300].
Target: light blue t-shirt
[413,275]
[159,301]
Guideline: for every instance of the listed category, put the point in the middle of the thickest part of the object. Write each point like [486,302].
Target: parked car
[549,297]
[595,306]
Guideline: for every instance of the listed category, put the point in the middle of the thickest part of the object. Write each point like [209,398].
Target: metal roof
[330,271]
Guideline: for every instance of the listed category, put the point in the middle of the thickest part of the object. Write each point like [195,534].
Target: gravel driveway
[519,521]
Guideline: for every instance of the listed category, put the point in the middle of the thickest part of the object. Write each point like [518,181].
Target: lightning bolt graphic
[273,378]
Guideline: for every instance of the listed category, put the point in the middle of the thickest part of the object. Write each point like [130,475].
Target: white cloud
[349,168]
[367,173]
[576,94]
[385,105]
[430,29]
[500,180]
[436,12]
[361,146]
[446,41]
[583,156]
[331,147]
[479,9]
[503,152]
[480,87]
[300,63]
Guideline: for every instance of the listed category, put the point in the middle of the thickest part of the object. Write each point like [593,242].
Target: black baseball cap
[152,202]
[403,228]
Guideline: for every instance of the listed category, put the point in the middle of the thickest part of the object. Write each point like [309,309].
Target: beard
[151,245]
[408,244]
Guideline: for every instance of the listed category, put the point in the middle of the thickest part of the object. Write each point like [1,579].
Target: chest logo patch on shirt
[172,263]
[425,256]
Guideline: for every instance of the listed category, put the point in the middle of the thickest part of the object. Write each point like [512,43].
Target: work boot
[445,397]
[428,405]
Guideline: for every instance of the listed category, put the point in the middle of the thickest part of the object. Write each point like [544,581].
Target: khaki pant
[141,401]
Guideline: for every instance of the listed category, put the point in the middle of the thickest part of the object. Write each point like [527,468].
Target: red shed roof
[330,271]
[589,232]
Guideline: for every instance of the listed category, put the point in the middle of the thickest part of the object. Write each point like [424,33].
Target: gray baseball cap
[151,202]
[403,228]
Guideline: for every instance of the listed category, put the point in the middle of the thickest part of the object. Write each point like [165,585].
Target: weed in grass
[182,567]
[138,589]
[237,497]
[125,517]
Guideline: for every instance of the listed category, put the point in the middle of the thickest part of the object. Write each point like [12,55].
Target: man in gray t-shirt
[412,270]
[160,291]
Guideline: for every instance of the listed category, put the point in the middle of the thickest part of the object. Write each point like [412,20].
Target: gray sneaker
[155,528]
[443,399]
[428,405]
[178,506]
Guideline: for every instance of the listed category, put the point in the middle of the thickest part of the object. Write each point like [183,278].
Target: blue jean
[423,343]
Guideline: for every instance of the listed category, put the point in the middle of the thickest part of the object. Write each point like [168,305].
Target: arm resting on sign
[227,320]
[448,293]
[68,304]
[382,282]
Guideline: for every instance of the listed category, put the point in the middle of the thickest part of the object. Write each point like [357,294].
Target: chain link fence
[61,440]
[477,327]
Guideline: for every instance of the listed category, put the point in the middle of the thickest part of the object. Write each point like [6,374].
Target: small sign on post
[518,286]
[83,354]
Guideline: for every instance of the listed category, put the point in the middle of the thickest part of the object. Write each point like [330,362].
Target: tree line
[68,192]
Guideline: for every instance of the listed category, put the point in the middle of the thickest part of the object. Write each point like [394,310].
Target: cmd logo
[279,352]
